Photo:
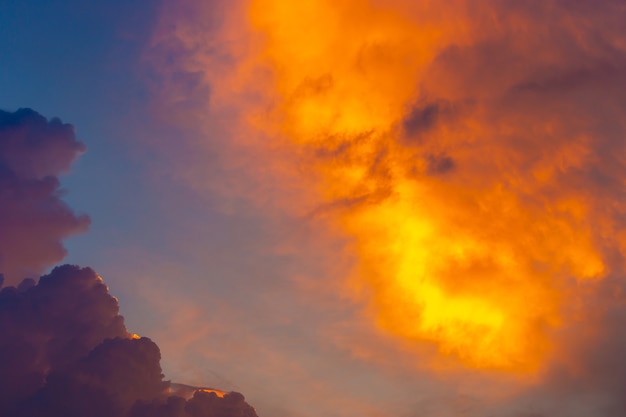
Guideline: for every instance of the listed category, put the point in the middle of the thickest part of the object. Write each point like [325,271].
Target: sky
[335,208]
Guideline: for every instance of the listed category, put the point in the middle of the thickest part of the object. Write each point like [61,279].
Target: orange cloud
[464,152]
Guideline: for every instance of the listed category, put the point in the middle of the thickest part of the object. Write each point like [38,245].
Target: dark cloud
[421,119]
[202,404]
[50,326]
[425,115]
[64,348]
[107,382]
[171,407]
[33,218]
[439,164]
[66,352]
[207,403]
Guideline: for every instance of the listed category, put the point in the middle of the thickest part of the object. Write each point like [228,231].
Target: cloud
[64,347]
[471,154]
[106,382]
[202,404]
[51,325]
[33,218]
[66,352]
[586,373]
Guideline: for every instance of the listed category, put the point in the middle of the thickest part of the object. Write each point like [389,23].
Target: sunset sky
[338,208]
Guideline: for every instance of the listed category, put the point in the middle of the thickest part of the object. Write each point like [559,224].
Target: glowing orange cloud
[214,391]
[457,259]
[458,195]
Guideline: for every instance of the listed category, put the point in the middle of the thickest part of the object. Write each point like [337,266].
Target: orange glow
[188,391]
[323,75]
[471,253]
[214,391]
[135,336]
[459,261]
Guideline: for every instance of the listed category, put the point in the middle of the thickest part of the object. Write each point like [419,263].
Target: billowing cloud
[52,325]
[64,347]
[33,218]
[66,352]
[471,155]
[203,403]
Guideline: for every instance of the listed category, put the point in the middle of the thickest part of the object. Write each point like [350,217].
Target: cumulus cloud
[50,326]
[66,352]
[64,348]
[202,404]
[33,218]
